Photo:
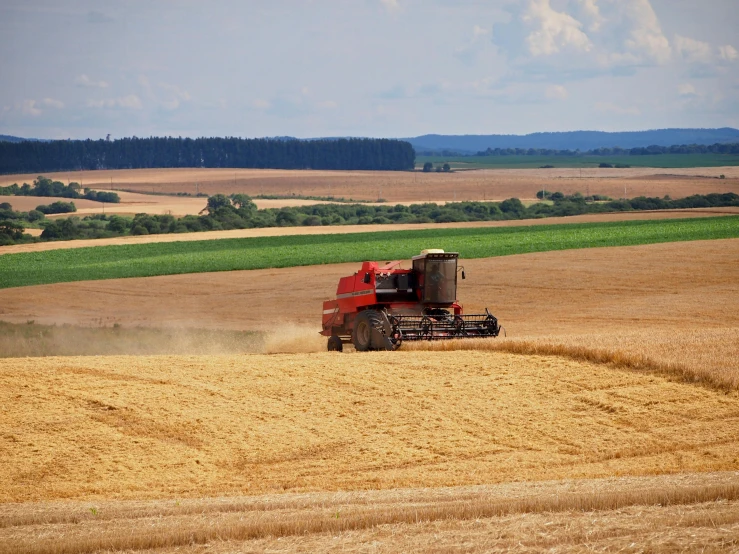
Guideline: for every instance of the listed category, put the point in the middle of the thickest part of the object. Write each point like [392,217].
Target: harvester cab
[380,306]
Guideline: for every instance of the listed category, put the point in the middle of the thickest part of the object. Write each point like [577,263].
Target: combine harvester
[379,307]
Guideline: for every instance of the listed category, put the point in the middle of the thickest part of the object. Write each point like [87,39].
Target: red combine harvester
[379,307]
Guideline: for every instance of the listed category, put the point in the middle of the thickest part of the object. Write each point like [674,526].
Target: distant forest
[638,151]
[155,152]
[571,140]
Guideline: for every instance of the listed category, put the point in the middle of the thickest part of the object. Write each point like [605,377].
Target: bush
[606,165]
[57,208]
[35,215]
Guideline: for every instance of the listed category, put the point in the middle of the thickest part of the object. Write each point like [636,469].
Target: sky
[377,68]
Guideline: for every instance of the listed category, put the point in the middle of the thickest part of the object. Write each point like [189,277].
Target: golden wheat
[155,528]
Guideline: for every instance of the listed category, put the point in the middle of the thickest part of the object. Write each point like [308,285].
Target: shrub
[57,208]
[35,215]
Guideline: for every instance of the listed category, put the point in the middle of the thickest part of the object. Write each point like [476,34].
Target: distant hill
[8,138]
[574,140]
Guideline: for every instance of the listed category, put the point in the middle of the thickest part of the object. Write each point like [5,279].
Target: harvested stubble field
[696,512]
[134,203]
[93,429]
[398,186]
[598,379]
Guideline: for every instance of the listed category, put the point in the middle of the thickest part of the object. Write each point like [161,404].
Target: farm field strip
[138,427]
[400,187]
[332,230]
[687,502]
[142,260]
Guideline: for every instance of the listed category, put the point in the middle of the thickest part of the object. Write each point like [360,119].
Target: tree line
[165,152]
[239,212]
[718,148]
[43,186]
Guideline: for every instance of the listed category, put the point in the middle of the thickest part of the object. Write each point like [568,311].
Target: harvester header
[382,305]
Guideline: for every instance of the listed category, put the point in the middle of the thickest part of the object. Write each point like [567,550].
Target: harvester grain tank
[380,306]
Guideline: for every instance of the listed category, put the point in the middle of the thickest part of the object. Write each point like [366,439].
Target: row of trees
[44,186]
[616,151]
[239,212]
[157,152]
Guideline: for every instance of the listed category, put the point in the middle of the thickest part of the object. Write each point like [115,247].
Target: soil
[397,186]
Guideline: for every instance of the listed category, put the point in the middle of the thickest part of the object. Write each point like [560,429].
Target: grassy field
[142,260]
[530,162]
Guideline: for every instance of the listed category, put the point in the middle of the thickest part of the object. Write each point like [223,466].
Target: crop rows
[144,260]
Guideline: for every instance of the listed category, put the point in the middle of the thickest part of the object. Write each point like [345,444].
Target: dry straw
[328,517]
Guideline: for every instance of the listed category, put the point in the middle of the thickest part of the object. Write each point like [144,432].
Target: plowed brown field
[399,186]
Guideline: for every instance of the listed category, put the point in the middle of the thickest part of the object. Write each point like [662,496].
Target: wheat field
[606,420]
[242,452]
[148,427]
[696,512]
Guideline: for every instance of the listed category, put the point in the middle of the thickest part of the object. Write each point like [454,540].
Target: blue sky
[389,68]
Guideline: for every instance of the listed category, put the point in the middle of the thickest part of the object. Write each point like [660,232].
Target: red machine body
[381,305]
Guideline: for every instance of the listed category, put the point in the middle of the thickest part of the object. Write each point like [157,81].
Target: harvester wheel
[335,344]
[362,335]
[369,332]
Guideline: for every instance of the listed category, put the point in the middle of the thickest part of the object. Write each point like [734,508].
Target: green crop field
[143,260]
[528,162]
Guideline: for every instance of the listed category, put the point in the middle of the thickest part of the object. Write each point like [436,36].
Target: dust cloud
[34,340]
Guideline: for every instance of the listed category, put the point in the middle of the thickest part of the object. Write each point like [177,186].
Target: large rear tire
[362,334]
[368,332]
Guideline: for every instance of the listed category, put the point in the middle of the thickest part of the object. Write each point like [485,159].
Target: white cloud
[553,30]
[84,81]
[556,92]
[686,89]
[469,52]
[478,31]
[179,96]
[592,12]
[176,91]
[391,5]
[728,53]
[130,102]
[28,107]
[260,104]
[693,51]
[171,104]
[33,108]
[328,105]
[646,37]
[52,103]
[614,108]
